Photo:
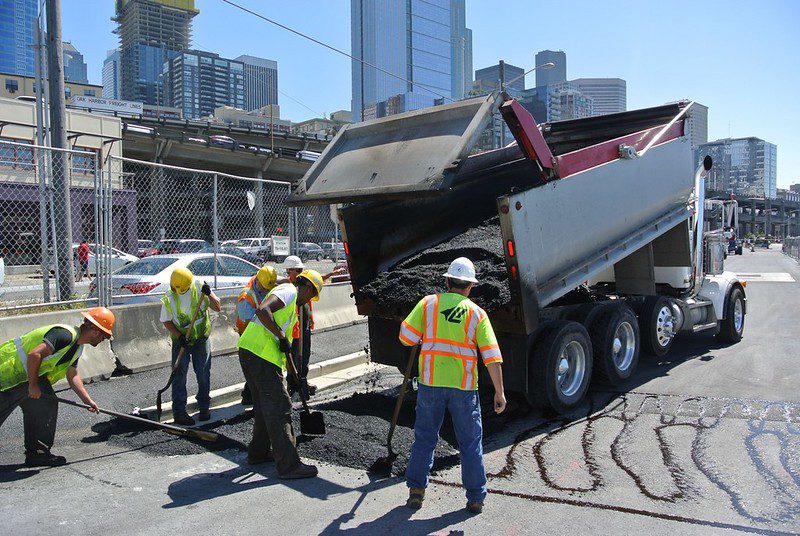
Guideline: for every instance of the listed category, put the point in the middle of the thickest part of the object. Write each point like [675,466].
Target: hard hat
[462,269]
[101,317]
[267,276]
[315,278]
[293,262]
[181,280]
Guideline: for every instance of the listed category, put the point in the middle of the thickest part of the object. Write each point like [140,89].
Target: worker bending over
[32,363]
[452,331]
[246,304]
[188,299]
[263,348]
[301,342]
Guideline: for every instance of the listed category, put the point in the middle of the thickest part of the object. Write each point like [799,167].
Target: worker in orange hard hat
[29,366]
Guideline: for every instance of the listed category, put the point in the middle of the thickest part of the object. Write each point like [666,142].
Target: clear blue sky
[740,58]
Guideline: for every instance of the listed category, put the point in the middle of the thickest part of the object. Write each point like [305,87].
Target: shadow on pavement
[397,521]
[11,472]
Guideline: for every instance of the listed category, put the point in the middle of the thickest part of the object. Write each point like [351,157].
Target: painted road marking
[767,277]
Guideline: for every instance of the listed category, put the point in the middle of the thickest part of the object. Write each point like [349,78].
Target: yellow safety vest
[452,329]
[260,341]
[14,358]
[181,318]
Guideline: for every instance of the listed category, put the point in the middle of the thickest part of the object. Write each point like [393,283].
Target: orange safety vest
[247,294]
[296,328]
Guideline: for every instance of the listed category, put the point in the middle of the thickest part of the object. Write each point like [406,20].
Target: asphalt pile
[403,285]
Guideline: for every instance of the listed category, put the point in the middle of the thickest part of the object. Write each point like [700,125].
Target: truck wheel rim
[664,326]
[624,346]
[738,315]
[571,368]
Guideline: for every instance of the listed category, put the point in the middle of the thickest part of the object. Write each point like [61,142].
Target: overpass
[774,217]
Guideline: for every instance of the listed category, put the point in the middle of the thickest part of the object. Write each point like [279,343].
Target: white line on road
[767,277]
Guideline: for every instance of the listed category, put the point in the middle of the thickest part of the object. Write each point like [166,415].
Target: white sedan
[118,258]
[146,280]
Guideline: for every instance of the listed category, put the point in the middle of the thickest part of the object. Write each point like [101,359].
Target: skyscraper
[150,33]
[260,82]
[417,42]
[111,75]
[74,66]
[554,75]
[743,166]
[16,36]
[199,82]
[489,77]
[609,94]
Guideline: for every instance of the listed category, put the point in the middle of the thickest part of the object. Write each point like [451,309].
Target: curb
[232,393]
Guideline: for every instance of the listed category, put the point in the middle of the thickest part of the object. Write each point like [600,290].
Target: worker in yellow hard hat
[29,366]
[263,348]
[301,342]
[246,303]
[184,312]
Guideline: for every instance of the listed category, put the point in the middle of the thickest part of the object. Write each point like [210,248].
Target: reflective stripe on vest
[457,359]
[202,325]
[257,339]
[14,357]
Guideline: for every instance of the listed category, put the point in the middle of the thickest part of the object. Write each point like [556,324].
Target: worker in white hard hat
[184,313]
[301,342]
[452,331]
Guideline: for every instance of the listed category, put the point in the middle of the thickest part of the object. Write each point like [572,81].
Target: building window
[12,86]
[90,92]
[84,163]
[14,154]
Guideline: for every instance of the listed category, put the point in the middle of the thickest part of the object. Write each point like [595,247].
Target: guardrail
[791,247]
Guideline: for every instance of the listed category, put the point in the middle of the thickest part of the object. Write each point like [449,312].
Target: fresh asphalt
[705,441]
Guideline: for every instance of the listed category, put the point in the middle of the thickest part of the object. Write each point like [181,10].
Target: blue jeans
[465,411]
[199,353]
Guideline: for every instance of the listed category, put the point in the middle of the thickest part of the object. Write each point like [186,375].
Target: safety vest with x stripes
[452,330]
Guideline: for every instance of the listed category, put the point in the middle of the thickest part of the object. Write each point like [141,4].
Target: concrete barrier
[141,341]
[94,364]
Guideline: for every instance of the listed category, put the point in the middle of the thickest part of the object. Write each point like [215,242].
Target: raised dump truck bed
[577,217]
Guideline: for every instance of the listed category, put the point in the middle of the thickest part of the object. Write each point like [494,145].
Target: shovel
[178,360]
[171,428]
[384,465]
[311,422]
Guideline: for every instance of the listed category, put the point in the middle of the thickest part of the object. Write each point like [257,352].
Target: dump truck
[587,235]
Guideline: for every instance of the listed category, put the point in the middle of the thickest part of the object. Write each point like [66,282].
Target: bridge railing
[791,247]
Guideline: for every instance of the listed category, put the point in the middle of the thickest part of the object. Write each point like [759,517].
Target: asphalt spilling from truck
[402,286]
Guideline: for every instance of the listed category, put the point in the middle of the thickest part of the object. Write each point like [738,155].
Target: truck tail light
[510,247]
[140,288]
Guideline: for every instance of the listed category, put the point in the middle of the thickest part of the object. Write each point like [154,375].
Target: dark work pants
[39,415]
[301,352]
[272,418]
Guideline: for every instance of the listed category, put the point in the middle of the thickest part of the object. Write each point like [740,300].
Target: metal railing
[791,247]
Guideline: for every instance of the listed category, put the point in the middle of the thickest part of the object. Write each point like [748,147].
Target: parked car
[256,246]
[309,250]
[333,249]
[180,245]
[236,252]
[118,258]
[2,276]
[145,248]
[146,280]
[228,242]
[223,141]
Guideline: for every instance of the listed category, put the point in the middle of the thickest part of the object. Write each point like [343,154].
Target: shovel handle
[296,376]
[412,355]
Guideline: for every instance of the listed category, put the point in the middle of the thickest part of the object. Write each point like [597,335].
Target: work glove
[182,342]
[206,289]
[284,345]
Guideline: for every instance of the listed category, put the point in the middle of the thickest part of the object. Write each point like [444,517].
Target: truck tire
[656,325]
[561,366]
[732,326]
[615,344]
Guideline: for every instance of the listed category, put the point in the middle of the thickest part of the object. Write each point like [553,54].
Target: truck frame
[602,230]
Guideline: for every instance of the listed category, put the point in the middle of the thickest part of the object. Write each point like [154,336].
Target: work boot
[204,415]
[312,389]
[43,459]
[255,459]
[415,498]
[475,507]
[301,471]
[184,419]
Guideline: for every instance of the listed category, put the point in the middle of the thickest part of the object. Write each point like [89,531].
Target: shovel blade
[312,423]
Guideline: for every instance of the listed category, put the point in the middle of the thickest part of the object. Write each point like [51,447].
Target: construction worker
[32,363]
[452,331]
[251,295]
[263,347]
[301,342]
[185,300]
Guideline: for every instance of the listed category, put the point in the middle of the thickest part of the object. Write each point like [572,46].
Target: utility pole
[502,72]
[60,168]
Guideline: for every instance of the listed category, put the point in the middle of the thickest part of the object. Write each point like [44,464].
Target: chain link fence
[79,248]
[791,247]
